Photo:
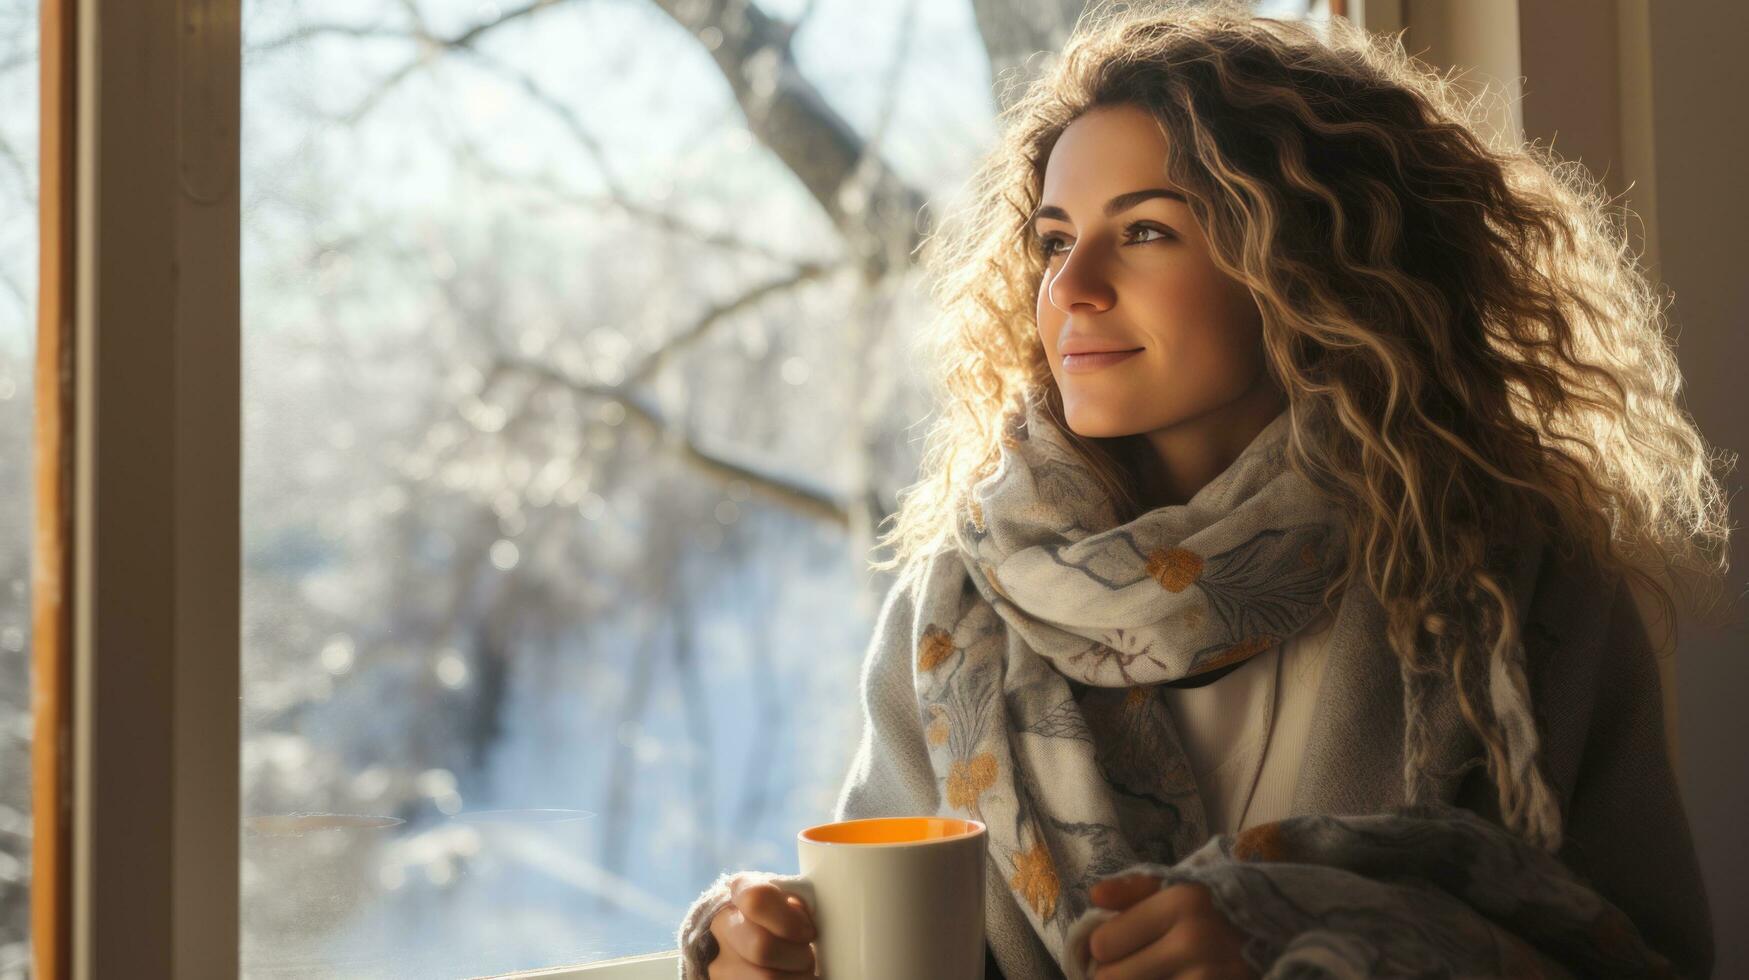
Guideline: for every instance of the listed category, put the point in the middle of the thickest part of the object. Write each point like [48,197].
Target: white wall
[1650,96]
[1699,84]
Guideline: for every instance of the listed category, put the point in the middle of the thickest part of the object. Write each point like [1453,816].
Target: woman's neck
[1180,459]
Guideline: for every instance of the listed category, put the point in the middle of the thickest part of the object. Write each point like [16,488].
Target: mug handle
[802,888]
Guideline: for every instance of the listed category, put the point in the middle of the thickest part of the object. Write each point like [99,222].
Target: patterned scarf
[1048,669]
[1039,646]
[1038,671]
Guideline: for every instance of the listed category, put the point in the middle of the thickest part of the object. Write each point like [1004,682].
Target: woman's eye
[1047,244]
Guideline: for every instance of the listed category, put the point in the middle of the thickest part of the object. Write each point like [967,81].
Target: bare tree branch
[696,715]
[376,95]
[664,220]
[865,331]
[565,113]
[19,59]
[770,711]
[621,773]
[701,326]
[310,32]
[894,81]
[416,32]
[1014,32]
[872,208]
[26,185]
[788,31]
[787,490]
[475,32]
[25,306]
[428,45]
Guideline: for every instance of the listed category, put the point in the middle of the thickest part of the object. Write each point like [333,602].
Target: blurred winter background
[578,374]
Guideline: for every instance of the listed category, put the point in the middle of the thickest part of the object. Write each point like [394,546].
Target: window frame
[135,617]
[136,608]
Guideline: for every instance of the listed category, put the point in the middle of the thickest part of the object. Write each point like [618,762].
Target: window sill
[651,966]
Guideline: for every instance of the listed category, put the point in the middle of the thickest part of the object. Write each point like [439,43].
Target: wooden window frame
[137,539]
[135,612]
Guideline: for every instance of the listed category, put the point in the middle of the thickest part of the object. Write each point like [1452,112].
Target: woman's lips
[1082,363]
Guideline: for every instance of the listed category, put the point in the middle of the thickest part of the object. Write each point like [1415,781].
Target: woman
[1270,589]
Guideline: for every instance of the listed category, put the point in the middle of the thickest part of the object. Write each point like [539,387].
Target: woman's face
[1142,332]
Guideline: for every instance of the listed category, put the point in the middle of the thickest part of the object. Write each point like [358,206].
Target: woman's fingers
[770,907]
[1121,893]
[1177,933]
[745,971]
[741,942]
[1134,928]
[762,929]
[1164,955]
[1149,919]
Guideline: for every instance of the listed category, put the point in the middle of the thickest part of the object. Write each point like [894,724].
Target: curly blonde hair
[1466,340]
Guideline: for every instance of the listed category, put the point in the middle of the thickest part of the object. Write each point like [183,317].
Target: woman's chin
[1096,424]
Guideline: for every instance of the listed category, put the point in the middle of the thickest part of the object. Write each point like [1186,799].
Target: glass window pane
[568,409]
[560,390]
[18,270]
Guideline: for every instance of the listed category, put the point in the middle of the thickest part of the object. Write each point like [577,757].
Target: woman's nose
[1080,280]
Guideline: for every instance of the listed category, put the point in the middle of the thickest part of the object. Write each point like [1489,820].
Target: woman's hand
[762,933]
[1176,932]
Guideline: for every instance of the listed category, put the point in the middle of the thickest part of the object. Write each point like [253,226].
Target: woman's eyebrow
[1117,205]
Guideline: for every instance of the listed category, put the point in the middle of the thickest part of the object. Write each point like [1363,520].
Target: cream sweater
[1245,734]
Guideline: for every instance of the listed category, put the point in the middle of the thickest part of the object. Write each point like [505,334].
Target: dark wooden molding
[52,543]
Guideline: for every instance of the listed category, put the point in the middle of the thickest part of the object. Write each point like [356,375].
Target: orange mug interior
[892,830]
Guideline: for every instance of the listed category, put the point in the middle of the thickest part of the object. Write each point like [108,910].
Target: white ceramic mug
[894,898]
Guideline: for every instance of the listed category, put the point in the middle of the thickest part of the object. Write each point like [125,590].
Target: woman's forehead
[1105,151]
